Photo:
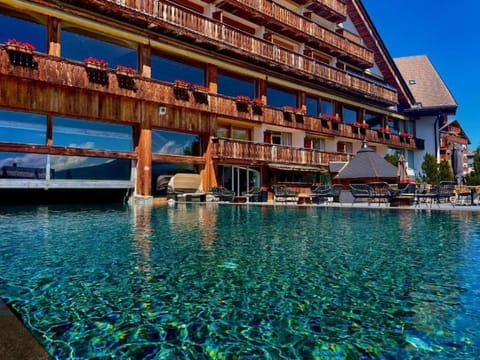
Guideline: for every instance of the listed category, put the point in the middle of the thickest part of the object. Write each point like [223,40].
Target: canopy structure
[367,166]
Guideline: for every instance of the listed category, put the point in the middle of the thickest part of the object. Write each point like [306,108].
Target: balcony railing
[333,10]
[269,153]
[170,18]
[52,73]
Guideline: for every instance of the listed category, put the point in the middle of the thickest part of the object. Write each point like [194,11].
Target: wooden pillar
[53,35]
[145,60]
[144,163]
[211,78]
[49,140]
[262,90]
[301,96]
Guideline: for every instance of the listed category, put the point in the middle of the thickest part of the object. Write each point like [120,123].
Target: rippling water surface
[225,282]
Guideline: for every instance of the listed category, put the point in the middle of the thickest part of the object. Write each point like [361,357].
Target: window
[327,107]
[394,126]
[230,85]
[374,121]
[169,70]
[22,165]
[23,128]
[86,134]
[24,31]
[281,138]
[233,132]
[89,168]
[318,144]
[312,106]
[78,46]
[344,147]
[279,98]
[176,143]
[349,115]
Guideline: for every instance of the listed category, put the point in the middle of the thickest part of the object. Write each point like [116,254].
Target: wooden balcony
[282,20]
[332,10]
[229,149]
[60,86]
[174,21]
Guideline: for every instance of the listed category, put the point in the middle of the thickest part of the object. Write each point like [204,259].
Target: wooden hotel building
[112,95]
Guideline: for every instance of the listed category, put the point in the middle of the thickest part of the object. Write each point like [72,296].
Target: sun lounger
[282,193]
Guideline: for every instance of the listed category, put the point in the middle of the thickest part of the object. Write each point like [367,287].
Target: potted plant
[200,93]
[125,76]
[384,132]
[288,112]
[96,70]
[20,53]
[257,106]
[180,90]
[299,113]
[360,126]
[242,102]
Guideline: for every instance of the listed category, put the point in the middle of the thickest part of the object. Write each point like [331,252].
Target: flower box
[20,53]
[125,70]
[358,124]
[257,106]
[333,118]
[94,63]
[96,70]
[288,113]
[406,135]
[384,130]
[180,90]
[242,102]
[200,93]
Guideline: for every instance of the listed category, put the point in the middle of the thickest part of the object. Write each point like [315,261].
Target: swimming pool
[210,281]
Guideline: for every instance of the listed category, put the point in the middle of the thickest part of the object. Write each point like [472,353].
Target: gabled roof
[425,83]
[369,34]
[456,123]
[367,164]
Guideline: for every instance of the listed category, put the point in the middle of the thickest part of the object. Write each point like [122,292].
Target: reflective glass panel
[78,47]
[86,134]
[23,128]
[280,98]
[232,86]
[22,166]
[327,107]
[170,70]
[312,106]
[24,31]
[89,168]
[349,115]
[175,143]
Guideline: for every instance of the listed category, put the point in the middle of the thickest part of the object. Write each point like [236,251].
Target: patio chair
[326,193]
[442,192]
[223,194]
[382,191]
[253,195]
[360,191]
[282,193]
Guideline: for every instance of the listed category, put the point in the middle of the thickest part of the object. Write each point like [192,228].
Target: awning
[290,167]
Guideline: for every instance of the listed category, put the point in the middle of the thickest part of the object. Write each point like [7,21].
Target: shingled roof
[424,82]
[367,164]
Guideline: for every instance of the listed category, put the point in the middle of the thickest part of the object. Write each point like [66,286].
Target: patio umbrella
[457,164]
[402,169]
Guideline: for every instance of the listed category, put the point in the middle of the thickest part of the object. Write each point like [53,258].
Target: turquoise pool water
[214,282]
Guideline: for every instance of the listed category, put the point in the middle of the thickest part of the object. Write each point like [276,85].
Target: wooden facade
[56,86]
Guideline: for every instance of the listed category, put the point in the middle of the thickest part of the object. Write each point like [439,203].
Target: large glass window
[279,98]
[24,31]
[312,106]
[374,121]
[92,134]
[89,168]
[232,132]
[78,46]
[232,86]
[349,115]
[169,70]
[176,143]
[394,126]
[23,128]
[22,166]
[327,107]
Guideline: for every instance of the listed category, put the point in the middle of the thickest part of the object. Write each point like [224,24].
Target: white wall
[427,129]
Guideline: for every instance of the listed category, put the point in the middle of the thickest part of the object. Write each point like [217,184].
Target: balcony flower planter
[299,114]
[200,93]
[384,132]
[257,106]
[243,103]
[405,137]
[20,53]
[125,77]
[180,90]
[288,112]
[360,127]
[332,119]
[96,70]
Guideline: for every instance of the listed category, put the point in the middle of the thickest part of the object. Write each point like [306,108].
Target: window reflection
[176,143]
[24,31]
[78,47]
[349,115]
[279,98]
[89,168]
[91,134]
[312,106]
[170,70]
[232,86]
[327,107]
[22,128]
[22,166]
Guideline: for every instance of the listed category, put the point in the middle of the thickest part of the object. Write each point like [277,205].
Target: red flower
[197,87]
[385,130]
[360,124]
[126,69]
[405,134]
[181,83]
[243,98]
[98,62]
[290,109]
[21,45]
[257,101]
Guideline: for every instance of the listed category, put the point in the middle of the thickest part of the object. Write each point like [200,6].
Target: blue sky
[445,31]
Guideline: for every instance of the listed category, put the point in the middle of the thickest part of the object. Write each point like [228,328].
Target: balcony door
[238,178]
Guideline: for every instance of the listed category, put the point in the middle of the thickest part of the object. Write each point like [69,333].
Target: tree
[445,171]
[430,169]
[474,177]
[392,159]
